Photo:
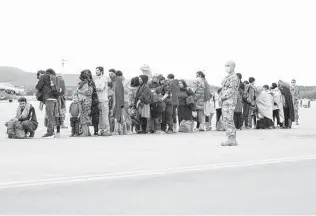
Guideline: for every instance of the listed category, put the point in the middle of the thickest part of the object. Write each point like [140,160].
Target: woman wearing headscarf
[185,106]
[95,112]
[142,100]
[207,101]
[200,101]
[84,92]
[288,107]
[134,84]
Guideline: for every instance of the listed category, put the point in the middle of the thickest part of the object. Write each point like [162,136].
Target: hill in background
[28,80]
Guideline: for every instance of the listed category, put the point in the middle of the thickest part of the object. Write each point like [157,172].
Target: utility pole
[63,61]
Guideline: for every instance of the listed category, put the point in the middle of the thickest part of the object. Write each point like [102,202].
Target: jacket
[44,87]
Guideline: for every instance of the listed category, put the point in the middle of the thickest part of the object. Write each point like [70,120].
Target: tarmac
[269,172]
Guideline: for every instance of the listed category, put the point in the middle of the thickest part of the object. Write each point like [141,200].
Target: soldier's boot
[230,142]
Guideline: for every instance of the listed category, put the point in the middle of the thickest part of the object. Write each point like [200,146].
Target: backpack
[15,129]
[58,85]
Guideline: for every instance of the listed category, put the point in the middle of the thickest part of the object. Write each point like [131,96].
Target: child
[75,112]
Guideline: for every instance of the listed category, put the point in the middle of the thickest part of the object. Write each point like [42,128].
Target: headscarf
[143,92]
[135,82]
[83,79]
[144,79]
[274,86]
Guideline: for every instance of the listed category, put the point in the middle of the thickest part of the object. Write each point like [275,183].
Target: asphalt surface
[281,188]
[70,175]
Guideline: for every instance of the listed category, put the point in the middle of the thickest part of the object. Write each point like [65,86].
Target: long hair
[185,86]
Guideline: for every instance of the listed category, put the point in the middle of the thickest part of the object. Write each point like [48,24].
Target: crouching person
[25,123]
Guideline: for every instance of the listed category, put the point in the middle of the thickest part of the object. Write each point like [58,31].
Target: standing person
[84,93]
[238,109]
[278,113]
[75,112]
[288,107]
[228,97]
[156,108]
[174,87]
[101,83]
[118,101]
[167,117]
[242,87]
[207,100]
[95,112]
[295,95]
[50,99]
[135,125]
[218,105]
[142,100]
[249,103]
[127,120]
[185,107]
[200,101]
[39,94]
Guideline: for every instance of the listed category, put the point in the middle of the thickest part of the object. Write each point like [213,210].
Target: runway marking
[84,178]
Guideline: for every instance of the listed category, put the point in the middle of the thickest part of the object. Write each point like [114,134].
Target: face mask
[227,69]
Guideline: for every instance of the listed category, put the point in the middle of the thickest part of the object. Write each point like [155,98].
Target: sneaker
[57,135]
[48,136]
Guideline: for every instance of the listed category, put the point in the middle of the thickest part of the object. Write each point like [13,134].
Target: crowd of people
[156,104]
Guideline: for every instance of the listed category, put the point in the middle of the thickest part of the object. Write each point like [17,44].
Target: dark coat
[44,88]
[95,112]
[118,89]
[286,92]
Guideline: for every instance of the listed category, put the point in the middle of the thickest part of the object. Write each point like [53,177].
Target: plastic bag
[186,126]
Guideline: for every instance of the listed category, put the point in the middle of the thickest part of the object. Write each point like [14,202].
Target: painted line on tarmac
[85,178]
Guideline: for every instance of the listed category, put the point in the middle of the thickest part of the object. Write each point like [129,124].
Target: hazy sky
[267,39]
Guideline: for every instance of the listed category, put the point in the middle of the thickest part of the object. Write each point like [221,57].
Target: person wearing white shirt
[101,83]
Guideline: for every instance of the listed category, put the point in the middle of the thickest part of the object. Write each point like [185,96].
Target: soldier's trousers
[228,110]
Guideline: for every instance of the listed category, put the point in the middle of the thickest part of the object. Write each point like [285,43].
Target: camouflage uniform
[228,96]
[295,95]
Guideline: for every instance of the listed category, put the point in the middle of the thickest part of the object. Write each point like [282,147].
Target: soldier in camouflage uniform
[228,97]
[295,95]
